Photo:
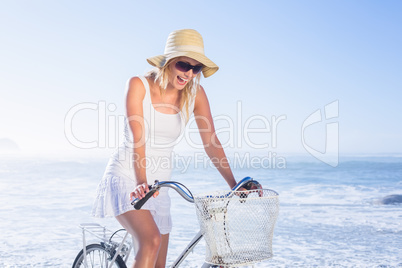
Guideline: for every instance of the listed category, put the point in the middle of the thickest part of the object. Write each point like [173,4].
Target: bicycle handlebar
[138,203]
[247,183]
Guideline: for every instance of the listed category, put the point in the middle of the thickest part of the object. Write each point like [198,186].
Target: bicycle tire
[97,256]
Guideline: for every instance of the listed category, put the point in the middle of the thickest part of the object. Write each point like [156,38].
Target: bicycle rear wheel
[97,256]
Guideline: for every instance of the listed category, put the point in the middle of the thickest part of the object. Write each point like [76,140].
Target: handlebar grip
[138,203]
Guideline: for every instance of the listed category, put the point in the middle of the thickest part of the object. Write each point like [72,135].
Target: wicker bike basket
[237,228]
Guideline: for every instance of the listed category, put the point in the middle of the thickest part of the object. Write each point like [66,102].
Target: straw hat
[187,43]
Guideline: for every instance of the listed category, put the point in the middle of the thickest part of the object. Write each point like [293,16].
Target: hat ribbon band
[184,48]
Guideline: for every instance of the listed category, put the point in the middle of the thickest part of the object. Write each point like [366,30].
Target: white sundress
[161,134]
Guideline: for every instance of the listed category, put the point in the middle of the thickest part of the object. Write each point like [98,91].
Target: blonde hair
[161,75]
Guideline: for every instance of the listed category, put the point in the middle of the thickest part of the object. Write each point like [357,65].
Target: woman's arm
[135,116]
[212,145]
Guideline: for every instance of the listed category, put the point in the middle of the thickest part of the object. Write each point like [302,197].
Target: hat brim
[209,66]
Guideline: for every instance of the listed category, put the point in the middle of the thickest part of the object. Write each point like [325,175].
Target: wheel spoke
[96,257]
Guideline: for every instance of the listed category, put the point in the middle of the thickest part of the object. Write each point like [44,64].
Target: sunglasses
[185,67]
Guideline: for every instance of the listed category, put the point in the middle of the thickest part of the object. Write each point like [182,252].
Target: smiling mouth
[181,80]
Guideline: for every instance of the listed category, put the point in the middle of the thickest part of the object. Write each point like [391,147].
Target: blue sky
[276,58]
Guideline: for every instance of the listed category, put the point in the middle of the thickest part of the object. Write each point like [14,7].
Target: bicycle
[224,219]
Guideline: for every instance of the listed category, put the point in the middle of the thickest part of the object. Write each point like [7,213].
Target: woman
[158,106]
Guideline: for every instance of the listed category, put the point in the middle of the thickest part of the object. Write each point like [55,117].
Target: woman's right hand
[140,191]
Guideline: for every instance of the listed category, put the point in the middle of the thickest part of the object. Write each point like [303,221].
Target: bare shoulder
[201,103]
[200,95]
[135,89]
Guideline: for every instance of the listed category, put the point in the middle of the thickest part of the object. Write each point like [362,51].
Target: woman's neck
[170,96]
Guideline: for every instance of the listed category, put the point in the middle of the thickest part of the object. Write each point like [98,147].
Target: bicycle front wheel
[97,256]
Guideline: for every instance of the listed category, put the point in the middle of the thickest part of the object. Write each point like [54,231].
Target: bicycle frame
[116,248]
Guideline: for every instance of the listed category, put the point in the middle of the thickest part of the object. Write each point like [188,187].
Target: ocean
[329,216]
